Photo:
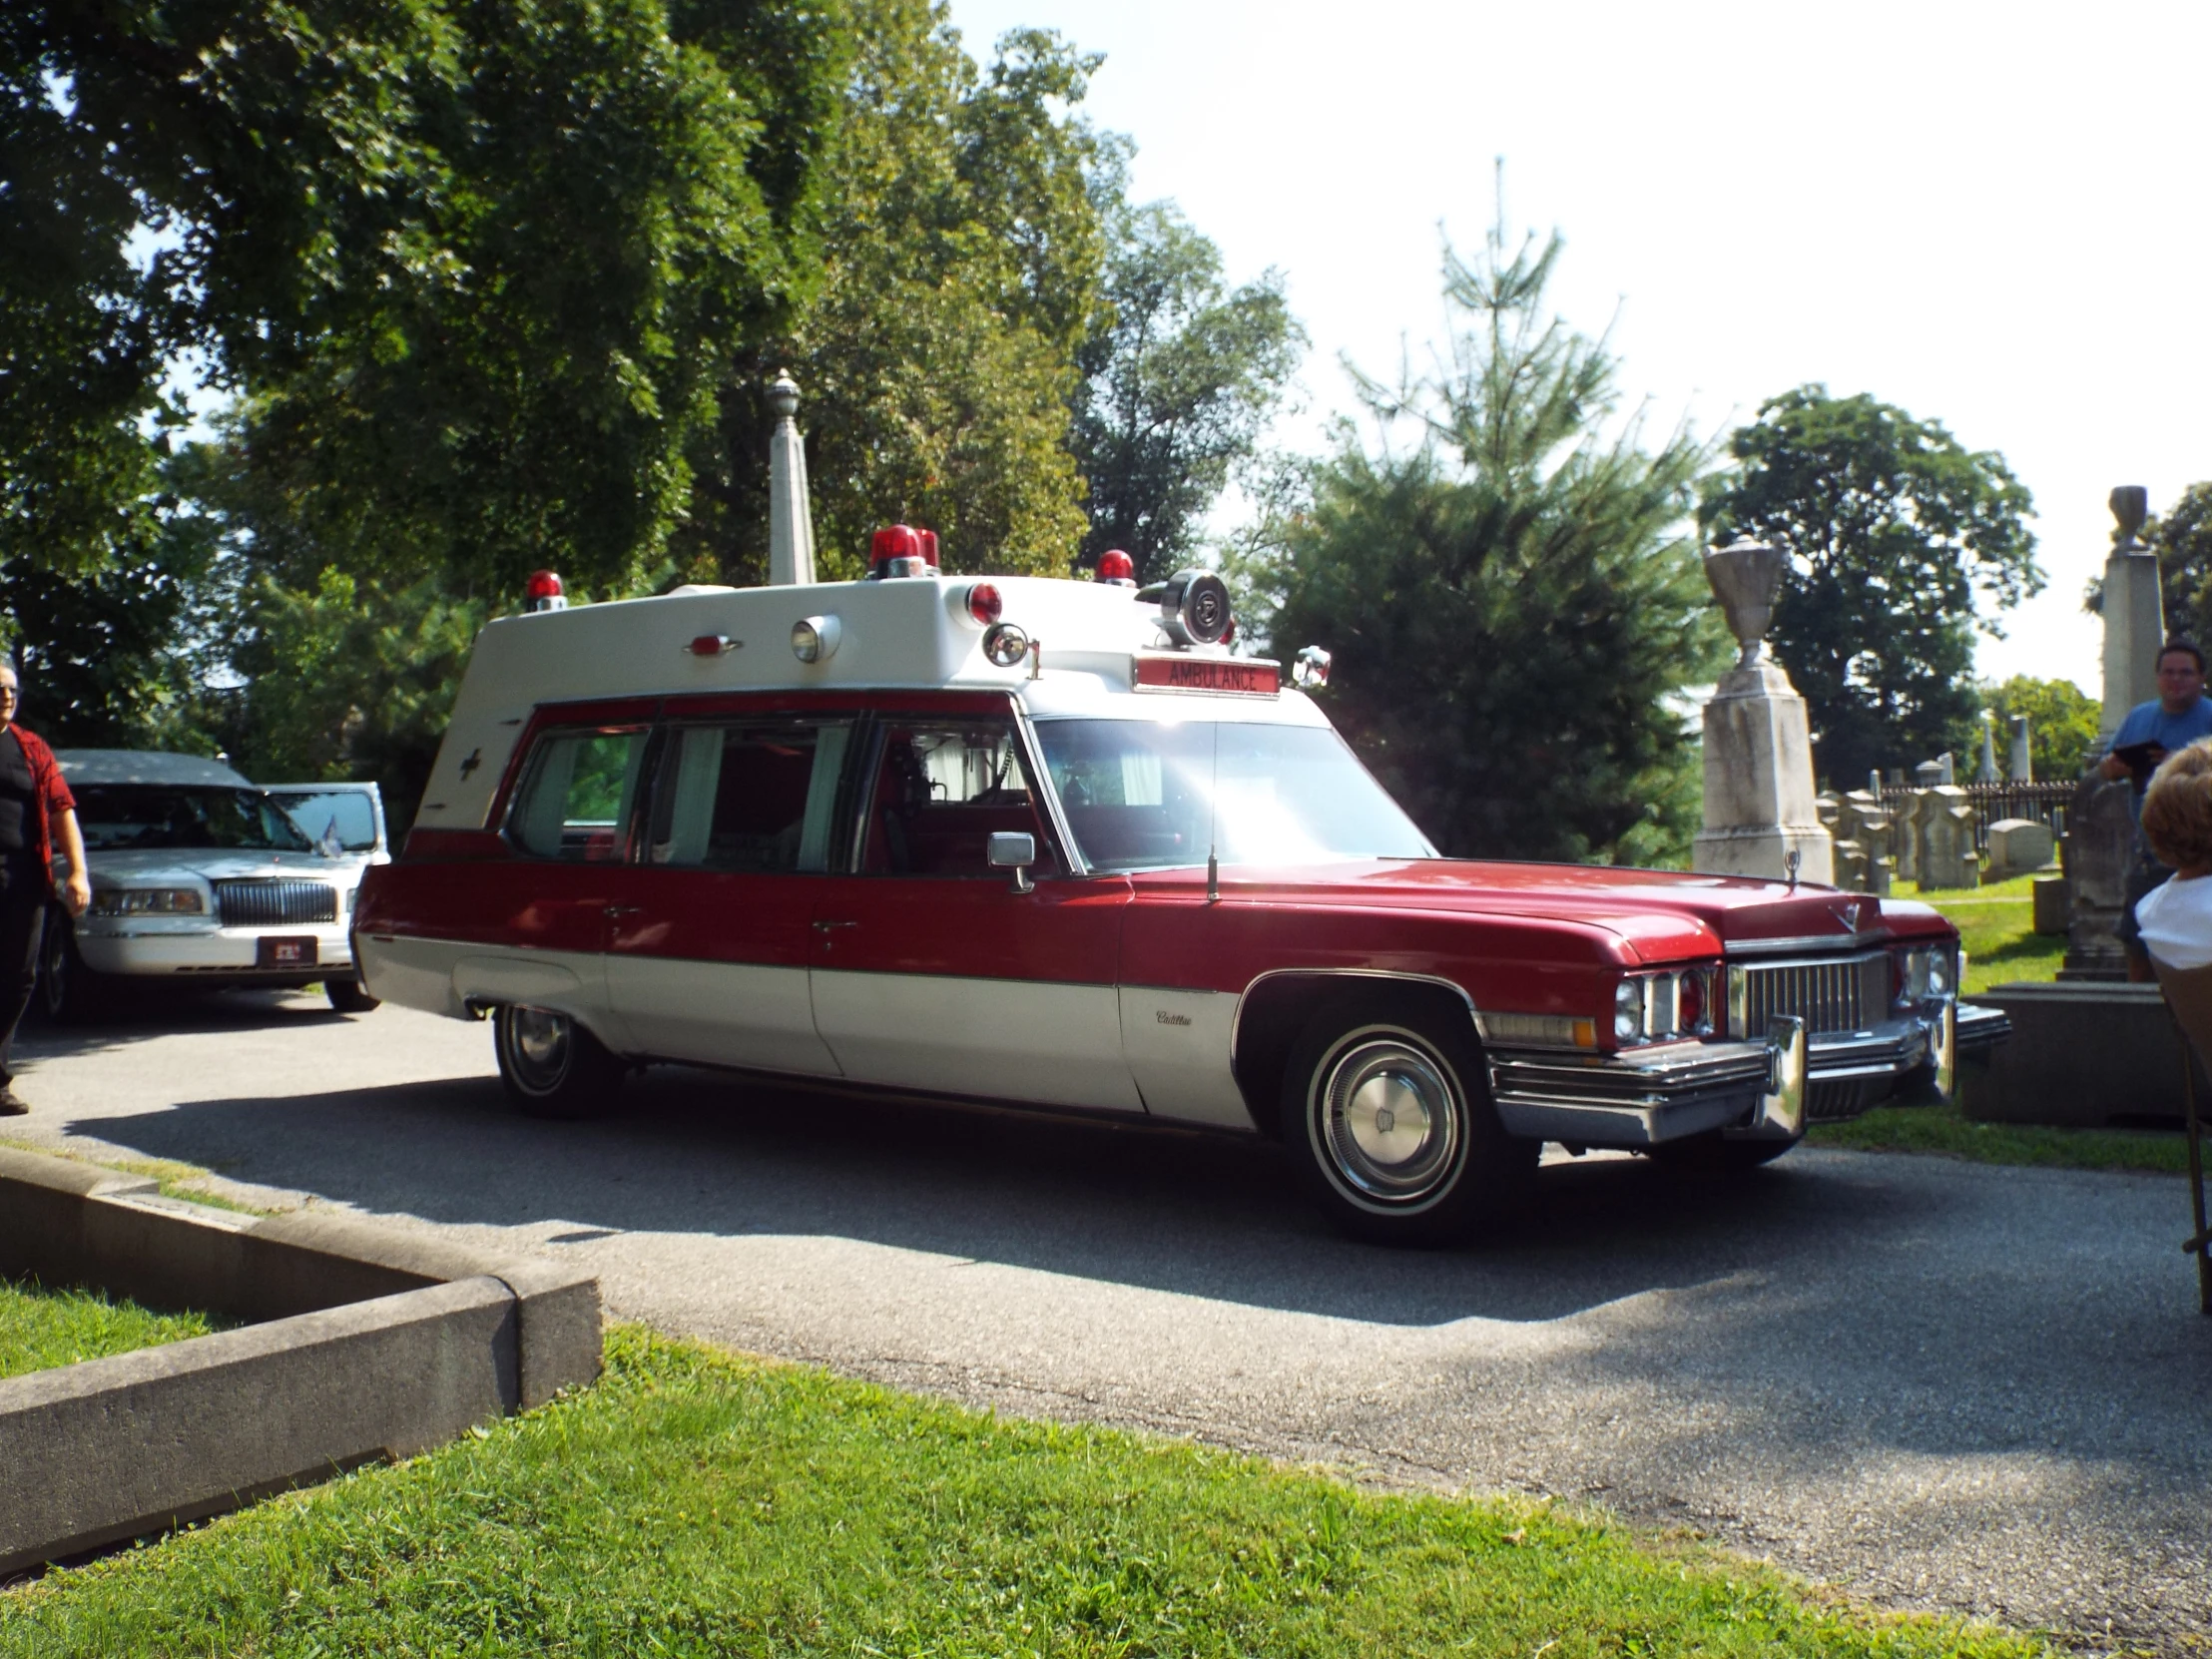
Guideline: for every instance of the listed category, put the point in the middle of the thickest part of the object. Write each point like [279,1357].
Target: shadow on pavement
[1201,1215]
[165,1012]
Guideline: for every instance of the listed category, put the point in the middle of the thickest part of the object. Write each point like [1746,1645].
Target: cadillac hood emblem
[1848,915]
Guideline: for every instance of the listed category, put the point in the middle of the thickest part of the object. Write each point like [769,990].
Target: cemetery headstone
[2097,851]
[1947,855]
[2018,847]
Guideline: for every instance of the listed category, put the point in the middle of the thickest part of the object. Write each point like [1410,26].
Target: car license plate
[286,952]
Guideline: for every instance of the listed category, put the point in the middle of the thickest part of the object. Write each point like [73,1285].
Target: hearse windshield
[1141,795]
[117,817]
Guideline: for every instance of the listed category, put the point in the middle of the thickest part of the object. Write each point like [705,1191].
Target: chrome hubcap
[1387,1116]
[537,1043]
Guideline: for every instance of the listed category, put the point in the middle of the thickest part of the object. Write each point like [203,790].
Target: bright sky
[1992,215]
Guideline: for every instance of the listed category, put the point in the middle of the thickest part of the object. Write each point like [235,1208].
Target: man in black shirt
[37,815]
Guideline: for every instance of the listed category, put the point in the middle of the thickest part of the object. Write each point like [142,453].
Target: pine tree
[1512,604]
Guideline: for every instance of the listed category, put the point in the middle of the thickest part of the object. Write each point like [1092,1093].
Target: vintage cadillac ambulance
[1049,844]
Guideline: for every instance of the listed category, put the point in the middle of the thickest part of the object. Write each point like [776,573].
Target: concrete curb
[371,1344]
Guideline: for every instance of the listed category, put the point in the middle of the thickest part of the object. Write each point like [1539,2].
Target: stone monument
[2023,767]
[1986,772]
[2134,615]
[1760,818]
[2099,845]
[790,520]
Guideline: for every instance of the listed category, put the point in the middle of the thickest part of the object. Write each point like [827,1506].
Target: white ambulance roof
[906,633]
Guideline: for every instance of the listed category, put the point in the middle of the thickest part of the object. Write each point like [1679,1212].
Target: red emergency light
[902,550]
[984,603]
[543,592]
[1117,569]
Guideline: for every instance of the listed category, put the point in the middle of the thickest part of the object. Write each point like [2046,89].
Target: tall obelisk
[791,521]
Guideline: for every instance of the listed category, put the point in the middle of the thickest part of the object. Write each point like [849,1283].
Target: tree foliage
[2181,536]
[1892,528]
[1180,376]
[1510,603]
[2062,722]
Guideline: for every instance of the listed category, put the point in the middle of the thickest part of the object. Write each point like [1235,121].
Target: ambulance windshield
[1141,795]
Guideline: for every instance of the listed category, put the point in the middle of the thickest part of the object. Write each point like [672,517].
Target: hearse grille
[1838,994]
[274,904]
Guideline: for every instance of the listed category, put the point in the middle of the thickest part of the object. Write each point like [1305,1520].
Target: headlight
[1923,971]
[149,902]
[1939,972]
[1628,1011]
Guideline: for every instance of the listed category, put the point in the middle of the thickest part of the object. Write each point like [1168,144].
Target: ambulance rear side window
[757,798]
[576,796]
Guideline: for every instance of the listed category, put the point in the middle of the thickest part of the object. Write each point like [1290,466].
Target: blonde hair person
[2176,917]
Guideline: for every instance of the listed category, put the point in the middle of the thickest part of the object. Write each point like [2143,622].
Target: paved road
[1937,1385]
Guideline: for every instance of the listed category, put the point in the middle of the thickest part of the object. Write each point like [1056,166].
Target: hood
[154,866]
[1664,914]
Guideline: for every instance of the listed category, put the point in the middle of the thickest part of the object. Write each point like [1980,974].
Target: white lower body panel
[1004,1040]
[443,976]
[718,1015]
[1177,1044]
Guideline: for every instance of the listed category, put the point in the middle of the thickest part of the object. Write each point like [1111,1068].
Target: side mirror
[1015,850]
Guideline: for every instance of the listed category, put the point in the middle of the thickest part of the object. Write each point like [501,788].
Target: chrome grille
[274,904]
[1836,993]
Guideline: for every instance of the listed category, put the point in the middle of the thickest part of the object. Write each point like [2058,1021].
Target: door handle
[824,926]
[614,910]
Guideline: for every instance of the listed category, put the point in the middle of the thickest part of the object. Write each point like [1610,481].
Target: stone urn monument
[1760,817]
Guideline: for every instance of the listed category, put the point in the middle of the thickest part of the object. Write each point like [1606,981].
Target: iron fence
[2045,804]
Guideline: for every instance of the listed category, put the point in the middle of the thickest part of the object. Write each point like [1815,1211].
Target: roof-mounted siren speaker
[543,593]
[1193,608]
[1116,569]
[902,550]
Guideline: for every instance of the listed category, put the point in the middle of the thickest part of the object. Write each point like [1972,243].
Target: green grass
[1997,926]
[1943,1130]
[41,1329]
[170,1178]
[697,1502]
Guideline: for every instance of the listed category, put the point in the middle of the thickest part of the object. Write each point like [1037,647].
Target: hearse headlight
[1925,971]
[149,902]
[1628,1011]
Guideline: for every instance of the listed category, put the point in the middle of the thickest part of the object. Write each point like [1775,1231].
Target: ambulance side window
[759,797]
[941,788]
[576,796]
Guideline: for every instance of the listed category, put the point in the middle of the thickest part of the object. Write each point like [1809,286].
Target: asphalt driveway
[1932,1383]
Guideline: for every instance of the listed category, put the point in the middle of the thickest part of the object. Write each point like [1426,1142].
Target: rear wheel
[350,996]
[552,1066]
[1384,1105]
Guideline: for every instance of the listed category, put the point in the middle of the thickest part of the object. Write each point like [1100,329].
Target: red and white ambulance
[1049,844]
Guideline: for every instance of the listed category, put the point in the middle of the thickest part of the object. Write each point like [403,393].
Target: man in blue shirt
[2153,730]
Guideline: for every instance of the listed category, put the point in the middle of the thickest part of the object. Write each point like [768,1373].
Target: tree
[2062,722]
[1180,376]
[2181,536]
[1892,528]
[1512,609]
[961,240]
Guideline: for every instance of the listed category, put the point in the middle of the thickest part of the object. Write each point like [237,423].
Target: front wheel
[67,993]
[552,1066]
[1386,1109]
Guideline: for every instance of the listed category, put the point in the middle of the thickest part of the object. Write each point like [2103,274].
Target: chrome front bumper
[1764,1089]
[218,955]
